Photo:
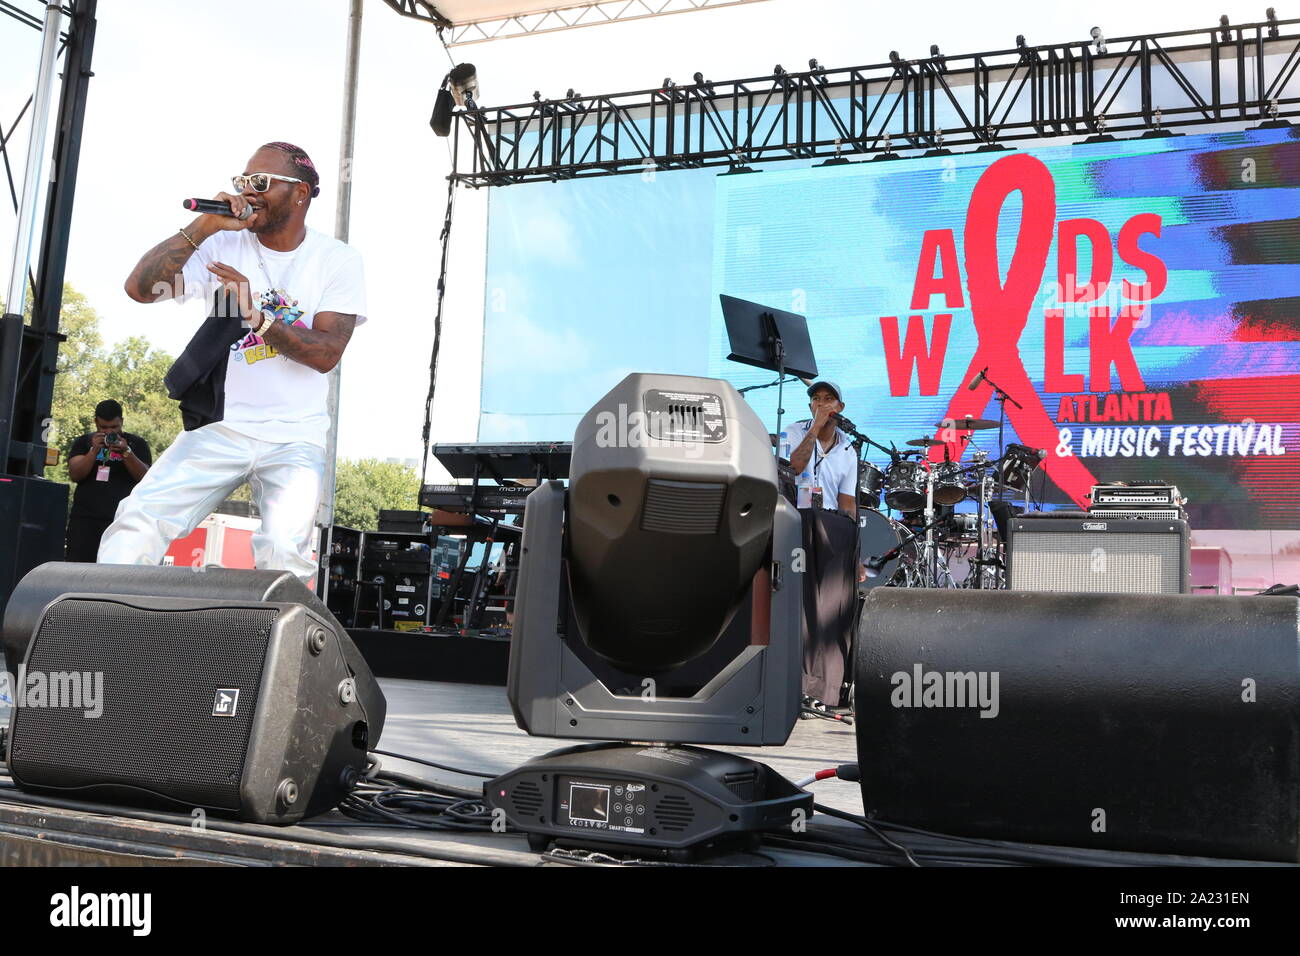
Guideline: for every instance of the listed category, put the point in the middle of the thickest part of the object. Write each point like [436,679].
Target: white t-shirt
[268,396]
[836,471]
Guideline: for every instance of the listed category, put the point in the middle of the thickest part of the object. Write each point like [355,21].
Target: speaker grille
[527,798]
[682,507]
[674,812]
[161,671]
[1092,561]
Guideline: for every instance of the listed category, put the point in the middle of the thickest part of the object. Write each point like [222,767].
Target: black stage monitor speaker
[232,691]
[1132,555]
[1160,723]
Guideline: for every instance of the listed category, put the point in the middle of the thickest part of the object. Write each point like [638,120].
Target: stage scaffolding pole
[11,326]
[342,225]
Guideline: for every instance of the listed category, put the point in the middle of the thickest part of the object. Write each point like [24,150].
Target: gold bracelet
[187,237]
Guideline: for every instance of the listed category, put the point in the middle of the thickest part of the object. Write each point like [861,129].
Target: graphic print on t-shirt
[252,349]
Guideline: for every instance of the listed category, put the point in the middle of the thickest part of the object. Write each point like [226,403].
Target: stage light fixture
[459,88]
[1271,15]
[940,61]
[656,603]
[1098,41]
[1225,34]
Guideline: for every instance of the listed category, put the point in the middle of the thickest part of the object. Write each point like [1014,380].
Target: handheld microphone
[214,207]
[979,377]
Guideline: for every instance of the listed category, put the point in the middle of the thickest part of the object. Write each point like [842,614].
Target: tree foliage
[130,372]
[364,487]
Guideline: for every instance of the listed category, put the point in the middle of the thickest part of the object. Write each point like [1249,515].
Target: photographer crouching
[104,466]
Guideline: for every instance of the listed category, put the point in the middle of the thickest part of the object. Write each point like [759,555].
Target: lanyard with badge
[810,493]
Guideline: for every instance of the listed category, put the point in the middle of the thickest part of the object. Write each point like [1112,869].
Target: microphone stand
[1002,399]
[878,562]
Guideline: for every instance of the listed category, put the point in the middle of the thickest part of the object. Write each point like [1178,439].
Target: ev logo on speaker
[226,702]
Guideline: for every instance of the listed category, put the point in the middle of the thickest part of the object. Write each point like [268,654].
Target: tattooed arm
[319,347]
[157,276]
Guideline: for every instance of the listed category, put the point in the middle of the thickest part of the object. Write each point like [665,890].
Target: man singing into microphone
[828,468]
[284,300]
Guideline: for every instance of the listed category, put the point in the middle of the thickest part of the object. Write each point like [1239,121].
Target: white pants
[197,473]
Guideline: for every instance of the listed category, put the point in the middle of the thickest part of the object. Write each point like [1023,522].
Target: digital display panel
[1137,300]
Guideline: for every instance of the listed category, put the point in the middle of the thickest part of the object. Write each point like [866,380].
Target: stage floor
[462,725]
[470,727]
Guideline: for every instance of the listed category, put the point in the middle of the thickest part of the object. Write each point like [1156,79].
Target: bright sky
[183,93]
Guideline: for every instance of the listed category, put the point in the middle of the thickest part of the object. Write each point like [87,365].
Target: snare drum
[905,485]
[871,482]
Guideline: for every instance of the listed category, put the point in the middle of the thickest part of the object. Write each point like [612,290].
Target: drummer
[827,466]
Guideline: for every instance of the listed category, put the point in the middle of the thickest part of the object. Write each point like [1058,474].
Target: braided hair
[302,163]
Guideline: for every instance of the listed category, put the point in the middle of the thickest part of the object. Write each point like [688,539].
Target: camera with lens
[112,439]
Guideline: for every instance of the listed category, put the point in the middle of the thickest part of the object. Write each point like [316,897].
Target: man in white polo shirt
[253,382]
[827,466]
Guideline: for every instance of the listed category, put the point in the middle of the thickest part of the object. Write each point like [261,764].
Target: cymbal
[967,424]
[926,442]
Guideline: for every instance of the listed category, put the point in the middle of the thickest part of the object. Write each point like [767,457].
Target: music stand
[769,338]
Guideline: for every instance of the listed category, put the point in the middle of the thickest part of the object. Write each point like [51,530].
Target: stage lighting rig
[1271,15]
[459,88]
[1225,34]
[1098,40]
[940,61]
[656,603]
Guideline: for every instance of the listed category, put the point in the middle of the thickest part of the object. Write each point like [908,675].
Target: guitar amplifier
[1133,555]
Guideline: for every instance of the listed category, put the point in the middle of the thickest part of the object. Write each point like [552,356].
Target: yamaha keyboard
[464,499]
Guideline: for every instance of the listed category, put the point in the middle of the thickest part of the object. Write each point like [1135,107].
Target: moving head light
[656,603]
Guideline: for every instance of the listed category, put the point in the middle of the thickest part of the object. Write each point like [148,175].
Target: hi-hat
[966,424]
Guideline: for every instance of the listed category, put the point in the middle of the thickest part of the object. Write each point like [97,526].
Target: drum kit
[930,539]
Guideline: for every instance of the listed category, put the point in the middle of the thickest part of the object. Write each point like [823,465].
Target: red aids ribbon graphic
[1001,311]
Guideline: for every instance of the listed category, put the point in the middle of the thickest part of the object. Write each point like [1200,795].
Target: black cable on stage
[869,826]
[445,238]
[436,766]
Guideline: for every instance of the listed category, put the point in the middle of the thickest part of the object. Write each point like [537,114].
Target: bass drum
[878,534]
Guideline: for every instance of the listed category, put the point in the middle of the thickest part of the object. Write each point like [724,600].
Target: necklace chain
[281,289]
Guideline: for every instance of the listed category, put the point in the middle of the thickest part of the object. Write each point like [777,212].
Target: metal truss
[29,352]
[568,17]
[1150,83]
[7,132]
